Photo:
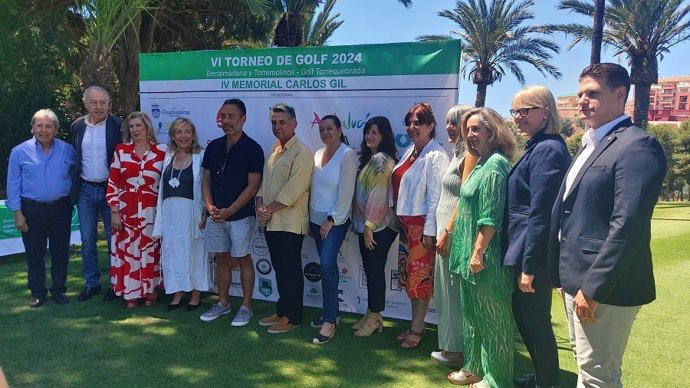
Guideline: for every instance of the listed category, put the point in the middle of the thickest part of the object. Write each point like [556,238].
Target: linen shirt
[35,175]
[286,179]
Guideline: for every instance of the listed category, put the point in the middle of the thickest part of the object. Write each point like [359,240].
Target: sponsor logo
[259,246]
[394,281]
[402,140]
[312,272]
[155,111]
[265,287]
[263,266]
[362,277]
[340,296]
[345,276]
[175,112]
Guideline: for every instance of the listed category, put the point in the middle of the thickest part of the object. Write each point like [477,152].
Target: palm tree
[290,29]
[494,39]
[597,31]
[644,30]
[319,30]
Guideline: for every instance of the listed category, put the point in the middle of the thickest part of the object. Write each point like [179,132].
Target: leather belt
[98,184]
[63,200]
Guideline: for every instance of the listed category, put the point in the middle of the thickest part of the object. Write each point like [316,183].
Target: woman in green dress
[485,284]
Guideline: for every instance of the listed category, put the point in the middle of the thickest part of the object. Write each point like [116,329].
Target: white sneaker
[244,315]
[216,311]
[441,358]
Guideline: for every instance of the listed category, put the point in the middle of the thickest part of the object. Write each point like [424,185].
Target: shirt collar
[288,144]
[599,133]
[88,121]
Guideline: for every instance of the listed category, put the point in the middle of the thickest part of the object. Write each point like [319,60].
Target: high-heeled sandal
[132,303]
[151,299]
[409,342]
[358,325]
[401,336]
[373,323]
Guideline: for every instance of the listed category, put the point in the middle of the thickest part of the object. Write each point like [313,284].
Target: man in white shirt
[94,137]
[600,231]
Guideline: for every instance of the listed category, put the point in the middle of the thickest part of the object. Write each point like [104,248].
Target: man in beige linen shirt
[282,208]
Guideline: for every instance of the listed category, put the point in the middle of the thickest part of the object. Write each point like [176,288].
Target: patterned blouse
[371,201]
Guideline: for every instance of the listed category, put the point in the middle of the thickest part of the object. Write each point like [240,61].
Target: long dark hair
[387,142]
[338,125]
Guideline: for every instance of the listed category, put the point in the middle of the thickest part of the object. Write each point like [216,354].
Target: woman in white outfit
[180,217]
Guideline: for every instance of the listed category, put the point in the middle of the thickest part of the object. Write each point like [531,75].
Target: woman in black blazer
[533,184]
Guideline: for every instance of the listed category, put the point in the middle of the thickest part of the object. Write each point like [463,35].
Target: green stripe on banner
[325,61]
[9,230]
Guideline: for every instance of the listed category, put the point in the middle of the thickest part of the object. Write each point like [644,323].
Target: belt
[63,200]
[99,184]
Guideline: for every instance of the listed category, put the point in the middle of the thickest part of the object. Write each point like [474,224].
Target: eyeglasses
[523,111]
[222,168]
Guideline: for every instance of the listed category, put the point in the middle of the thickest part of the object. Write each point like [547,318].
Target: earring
[546,117]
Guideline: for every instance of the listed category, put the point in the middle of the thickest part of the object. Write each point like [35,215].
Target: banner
[11,237]
[353,82]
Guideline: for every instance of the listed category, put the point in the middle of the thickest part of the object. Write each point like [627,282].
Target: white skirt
[184,263]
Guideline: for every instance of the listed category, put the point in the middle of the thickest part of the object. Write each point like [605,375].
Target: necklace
[142,162]
[174,182]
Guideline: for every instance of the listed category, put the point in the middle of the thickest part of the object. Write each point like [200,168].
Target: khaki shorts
[229,236]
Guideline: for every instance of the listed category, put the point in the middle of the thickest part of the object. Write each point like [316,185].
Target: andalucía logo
[347,122]
[155,111]
[312,272]
[265,287]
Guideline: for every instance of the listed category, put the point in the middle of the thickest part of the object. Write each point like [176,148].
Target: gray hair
[454,116]
[284,108]
[46,113]
[94,88]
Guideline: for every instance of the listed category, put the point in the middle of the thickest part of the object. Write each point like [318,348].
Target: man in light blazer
[600,232]
[94,137]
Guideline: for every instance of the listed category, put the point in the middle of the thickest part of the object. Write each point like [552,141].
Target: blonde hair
[500,137]
[150,131]
[172,146]
[539,96]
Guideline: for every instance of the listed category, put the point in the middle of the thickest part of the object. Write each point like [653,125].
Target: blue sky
[386,21]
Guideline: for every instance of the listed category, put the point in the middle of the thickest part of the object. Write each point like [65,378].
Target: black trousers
[285,249]
[374,262]
[49,224]
[532,313]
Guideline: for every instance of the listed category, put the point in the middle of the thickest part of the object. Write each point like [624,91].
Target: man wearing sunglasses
[232,170]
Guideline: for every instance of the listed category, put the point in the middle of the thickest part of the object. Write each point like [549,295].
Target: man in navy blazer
[600,232]
[94,137]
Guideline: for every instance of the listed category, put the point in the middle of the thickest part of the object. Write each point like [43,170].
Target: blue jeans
[91,202]
[330,275]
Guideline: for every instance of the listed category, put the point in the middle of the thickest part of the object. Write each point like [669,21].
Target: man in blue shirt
[38,186]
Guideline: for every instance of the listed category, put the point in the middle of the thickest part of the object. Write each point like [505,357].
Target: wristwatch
[330,218]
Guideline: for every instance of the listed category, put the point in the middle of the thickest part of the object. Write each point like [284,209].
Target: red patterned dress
[133,187]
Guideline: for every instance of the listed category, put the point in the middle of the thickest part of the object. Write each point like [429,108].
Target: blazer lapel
[609,139]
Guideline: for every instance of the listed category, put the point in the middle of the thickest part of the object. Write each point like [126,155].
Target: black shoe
[60,298]
[35,301]
[109,295]
[88,293]
[192,307]
[172,307]
[526,381]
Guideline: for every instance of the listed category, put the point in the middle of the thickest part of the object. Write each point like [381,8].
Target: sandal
[132,303]
[401,336]
[463,377]
[409,341]
[151,299]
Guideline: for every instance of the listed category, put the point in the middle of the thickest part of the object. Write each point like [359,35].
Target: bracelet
[370,225]
[114,212]
[448,231]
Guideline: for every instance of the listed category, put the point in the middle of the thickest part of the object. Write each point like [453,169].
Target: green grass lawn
[98,343]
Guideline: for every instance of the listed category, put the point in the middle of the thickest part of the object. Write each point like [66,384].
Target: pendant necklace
[174,182]
[141,180]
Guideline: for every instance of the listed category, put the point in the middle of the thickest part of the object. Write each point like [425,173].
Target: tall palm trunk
[128,66]
[481,94]
[597,31]
[644,72]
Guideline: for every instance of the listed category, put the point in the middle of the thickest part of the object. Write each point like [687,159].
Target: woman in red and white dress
[132,194]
